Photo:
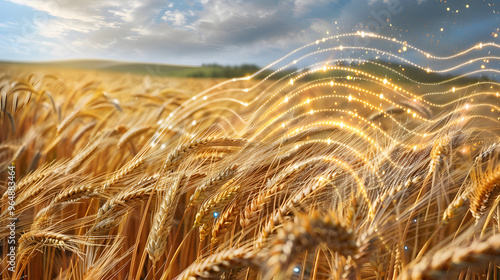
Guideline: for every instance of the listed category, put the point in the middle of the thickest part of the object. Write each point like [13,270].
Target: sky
[194,32]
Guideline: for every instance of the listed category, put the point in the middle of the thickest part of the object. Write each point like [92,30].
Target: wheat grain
[125,170]
[33,240]
[213,183]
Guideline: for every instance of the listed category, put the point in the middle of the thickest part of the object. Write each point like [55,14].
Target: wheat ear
[306,234]
[447,264]
[488,186]
[131,133]
[216,202]
[224,221]
[162,222]
[79,134]
[274,187]
[281,211]
[200,192]
[36,238]
[74,191]
[178,153]
[214,265]
[142,189]
[126,169]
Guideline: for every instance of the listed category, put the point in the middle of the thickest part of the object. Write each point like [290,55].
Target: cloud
[175,17]
[228,30]
[8,24]
[60,28]
[311,7]
[87,11]
[242,23]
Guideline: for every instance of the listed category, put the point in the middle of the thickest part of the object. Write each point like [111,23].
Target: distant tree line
[214,70]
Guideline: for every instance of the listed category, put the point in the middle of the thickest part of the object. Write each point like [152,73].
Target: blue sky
[229,31]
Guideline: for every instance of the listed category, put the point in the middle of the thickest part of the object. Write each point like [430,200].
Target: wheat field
[332,172]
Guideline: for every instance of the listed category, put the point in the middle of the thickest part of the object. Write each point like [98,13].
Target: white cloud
[60,28]
[175,17]
[124,15]
[8,24]
[78,10]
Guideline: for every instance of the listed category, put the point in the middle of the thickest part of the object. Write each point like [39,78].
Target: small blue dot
[415,220]
[216,214]
[406,247]
[296,269]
